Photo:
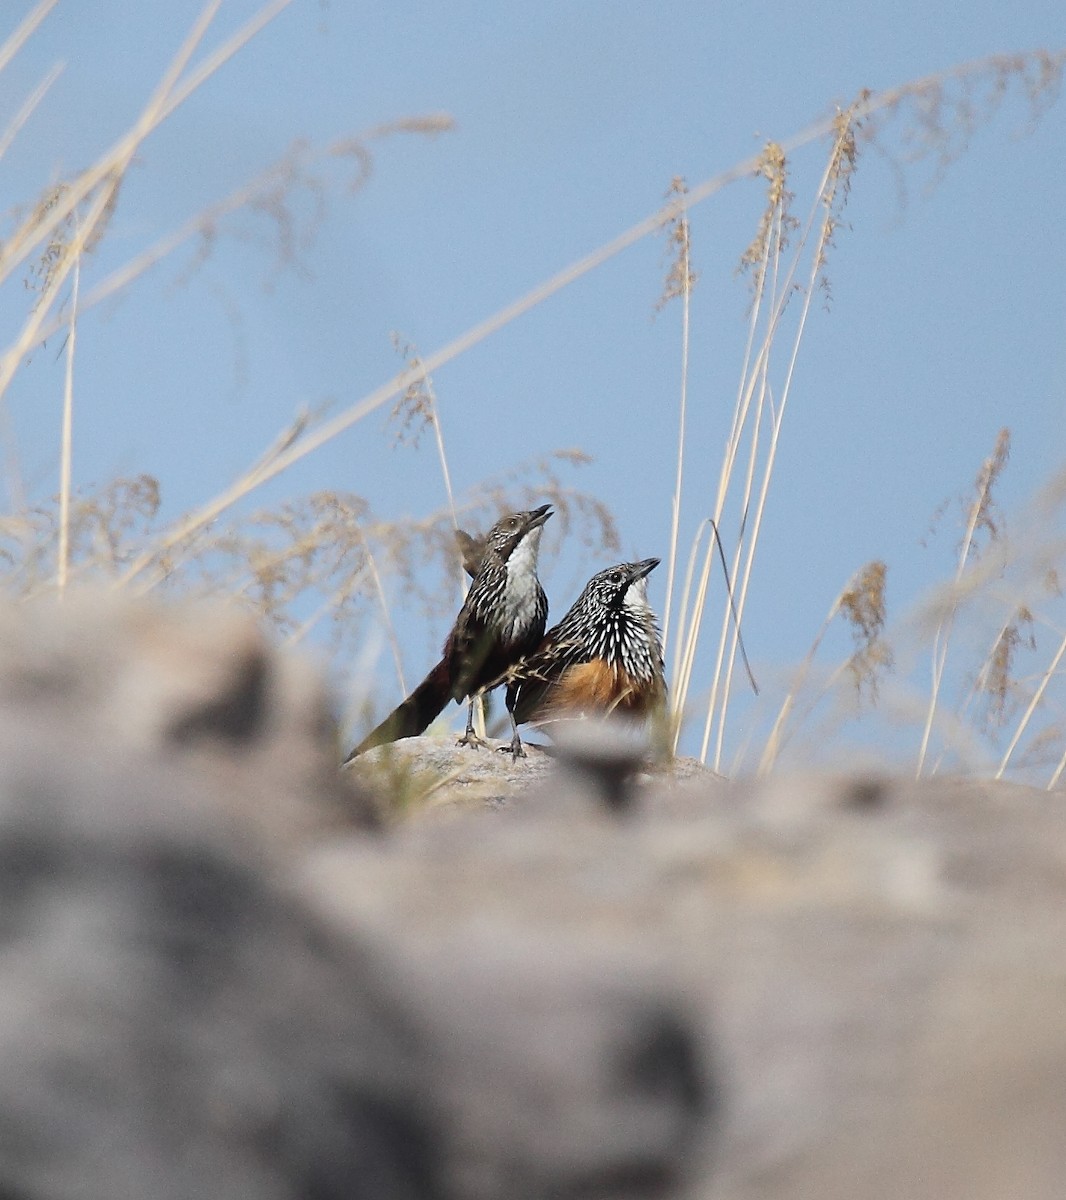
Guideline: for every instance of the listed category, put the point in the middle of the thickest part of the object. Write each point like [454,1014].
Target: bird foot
[470,738]
[515,749]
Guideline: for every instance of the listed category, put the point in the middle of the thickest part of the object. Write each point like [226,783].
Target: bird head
[517,529]
[624,585]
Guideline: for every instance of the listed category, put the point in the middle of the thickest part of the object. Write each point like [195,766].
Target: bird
[502,618]
[605,656]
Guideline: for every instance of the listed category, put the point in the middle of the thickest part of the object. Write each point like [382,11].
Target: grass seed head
[997,682]
[863,606]
[416,408]
[776,222]
[680,278]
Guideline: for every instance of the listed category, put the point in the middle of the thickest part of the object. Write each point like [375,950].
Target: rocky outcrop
[878,966]
[184,1011]
[223,975]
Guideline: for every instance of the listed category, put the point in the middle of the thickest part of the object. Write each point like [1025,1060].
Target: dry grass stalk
[862,605]
[386,615]
[1037,697]
[24,31]
[66,441]
[1057,774]
[88,200]
[832,194]
[680,281]
[776,217]
[996,684]
[758,416]
[27,109]
[416,409]
[981,516]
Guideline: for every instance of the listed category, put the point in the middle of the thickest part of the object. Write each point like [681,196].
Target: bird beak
[642,569]
[538,516]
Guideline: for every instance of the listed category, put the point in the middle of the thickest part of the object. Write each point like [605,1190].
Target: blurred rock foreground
[223,974]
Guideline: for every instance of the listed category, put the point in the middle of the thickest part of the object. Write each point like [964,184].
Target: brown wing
[533,680]
[467,651]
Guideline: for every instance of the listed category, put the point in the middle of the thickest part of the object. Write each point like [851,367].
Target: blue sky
[948,318]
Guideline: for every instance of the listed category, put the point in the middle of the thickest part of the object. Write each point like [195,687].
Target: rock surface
[219,978]
[879,965]
[184,1014]
[433,778]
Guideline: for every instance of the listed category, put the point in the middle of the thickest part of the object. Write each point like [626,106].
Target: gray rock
[880,964]
[173,1022]
[217,979]
[187,1009]
[195,686]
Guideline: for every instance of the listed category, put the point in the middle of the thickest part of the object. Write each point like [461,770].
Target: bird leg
[470,738]
[516,749]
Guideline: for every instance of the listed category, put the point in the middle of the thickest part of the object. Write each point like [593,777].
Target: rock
[432,778]
[880,964]
[173,1021]
[219,978]
[185,1012]
[198,686]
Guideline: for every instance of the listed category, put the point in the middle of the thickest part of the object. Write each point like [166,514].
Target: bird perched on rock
[502,618]
[604,656]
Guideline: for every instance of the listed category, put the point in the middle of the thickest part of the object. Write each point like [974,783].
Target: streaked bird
[502,619]
[605,656]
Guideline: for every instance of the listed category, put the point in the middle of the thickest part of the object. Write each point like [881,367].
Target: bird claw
[470,738]
[514,749]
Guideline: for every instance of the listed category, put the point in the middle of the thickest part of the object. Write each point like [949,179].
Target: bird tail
[415,714]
